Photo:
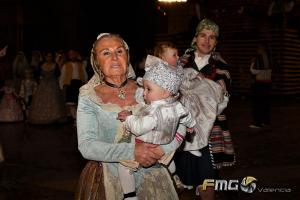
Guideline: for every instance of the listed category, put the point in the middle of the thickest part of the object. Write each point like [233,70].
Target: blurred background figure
[73,76]
[139,66]
[20,64]
[2,54]
[35,63]
[48,105]
[27,90]
[3,51]
[10,106]
[60,58]
[261,68]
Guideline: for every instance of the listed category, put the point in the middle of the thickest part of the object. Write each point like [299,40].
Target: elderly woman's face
[206,41]
[112,57]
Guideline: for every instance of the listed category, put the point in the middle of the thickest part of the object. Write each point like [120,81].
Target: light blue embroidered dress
[101,137]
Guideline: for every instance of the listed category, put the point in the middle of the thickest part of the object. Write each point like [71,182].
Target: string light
[162,10]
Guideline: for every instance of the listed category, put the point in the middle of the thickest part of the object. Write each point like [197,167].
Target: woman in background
[48,104]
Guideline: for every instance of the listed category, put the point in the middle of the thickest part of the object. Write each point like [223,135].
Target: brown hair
[160,48]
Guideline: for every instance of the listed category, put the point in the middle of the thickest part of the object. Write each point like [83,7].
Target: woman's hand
[201,75]
[147,154]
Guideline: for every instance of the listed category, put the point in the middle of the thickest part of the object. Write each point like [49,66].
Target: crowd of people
[55,75]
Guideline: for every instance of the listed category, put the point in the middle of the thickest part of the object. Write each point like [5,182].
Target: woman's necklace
[122,93]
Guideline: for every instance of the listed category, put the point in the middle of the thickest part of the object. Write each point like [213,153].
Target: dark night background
[76,23]
[30,25]
[43,162]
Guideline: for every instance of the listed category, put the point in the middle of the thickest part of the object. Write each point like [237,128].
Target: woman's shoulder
[88,88]
[85,90]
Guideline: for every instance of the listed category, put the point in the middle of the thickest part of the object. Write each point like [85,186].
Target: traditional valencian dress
[10,106]
[48,104]
[212,145]
[28,87]
[98,132]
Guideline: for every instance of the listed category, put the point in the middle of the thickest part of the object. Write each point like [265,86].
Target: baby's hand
[201,75]
[190,130]
[123,115]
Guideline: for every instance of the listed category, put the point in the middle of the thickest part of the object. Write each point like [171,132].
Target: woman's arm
[224,79]
[92,146]
[252,70]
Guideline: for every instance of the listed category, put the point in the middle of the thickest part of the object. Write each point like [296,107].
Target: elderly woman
[211,147]
[101,137]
